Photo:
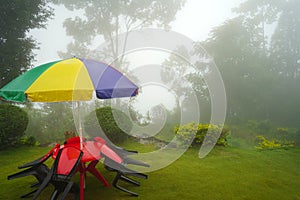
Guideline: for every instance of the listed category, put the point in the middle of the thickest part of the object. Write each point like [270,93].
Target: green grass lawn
[226,173]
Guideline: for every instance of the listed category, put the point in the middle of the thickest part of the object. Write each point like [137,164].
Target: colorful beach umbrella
[73,79]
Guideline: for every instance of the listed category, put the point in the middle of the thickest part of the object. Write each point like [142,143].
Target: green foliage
[198,132]
[257,68]
[259,126]
[57,121]
[13,123]
[16,19]
[297,137]
[186,133]
[49,121]
[285,41]
[114,124]
[29,140]
[114,17]
[282,131]
[264,143]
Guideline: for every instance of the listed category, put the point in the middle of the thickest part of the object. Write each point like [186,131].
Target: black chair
[65,164]
[36,168]
[122,173]
[120,151]
[123,153]
[111,155]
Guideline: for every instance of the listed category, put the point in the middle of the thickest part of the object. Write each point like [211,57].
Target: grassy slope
[226,173]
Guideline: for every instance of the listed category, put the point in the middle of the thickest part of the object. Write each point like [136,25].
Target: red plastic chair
[61,172]
[74,141]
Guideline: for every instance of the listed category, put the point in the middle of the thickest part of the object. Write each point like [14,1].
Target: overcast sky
[195,21]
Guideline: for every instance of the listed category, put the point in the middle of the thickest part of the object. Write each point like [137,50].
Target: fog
[195,20]
[234,58]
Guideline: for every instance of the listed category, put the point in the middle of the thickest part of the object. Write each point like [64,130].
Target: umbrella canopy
[73,79]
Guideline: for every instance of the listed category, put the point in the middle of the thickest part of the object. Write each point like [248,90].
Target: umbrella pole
[82,165]
[79,125]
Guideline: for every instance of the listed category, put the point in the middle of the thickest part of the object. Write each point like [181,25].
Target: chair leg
[35,184]
[115,184]
[66,191]
[42,186]
[54,195]
[28,194]
[40,172]
[23,173]
[76,190]
[129,180]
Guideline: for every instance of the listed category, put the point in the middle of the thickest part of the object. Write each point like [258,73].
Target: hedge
[13,123]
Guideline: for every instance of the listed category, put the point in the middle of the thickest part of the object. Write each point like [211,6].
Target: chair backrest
[50,153]
[67,160]
[106,151]
[42,159]
[74,141]
[100,140]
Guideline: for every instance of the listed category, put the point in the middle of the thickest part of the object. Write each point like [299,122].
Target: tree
[36,126]
[57,119]
[285,62]
[285,45]
[109,122]
[260,78]
[237,58]
[17,17]
[258,13]
[108,19]
[185,77]
[239,47]
[13,122]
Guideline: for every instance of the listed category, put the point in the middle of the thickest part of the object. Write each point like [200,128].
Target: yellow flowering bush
[282,131]
[193,133]
[264,143]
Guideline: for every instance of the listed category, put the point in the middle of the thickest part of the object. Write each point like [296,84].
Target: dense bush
[114,124]
[264,143]
[199,131]
[13,123]
[29,140]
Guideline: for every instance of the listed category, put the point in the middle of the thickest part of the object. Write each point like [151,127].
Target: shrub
[29,140]
[297,138]
[114,124]
[260,126]
[13,123]
[282,131]
[264,143]
[198,132]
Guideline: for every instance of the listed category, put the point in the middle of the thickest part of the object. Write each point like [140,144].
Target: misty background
[255,44]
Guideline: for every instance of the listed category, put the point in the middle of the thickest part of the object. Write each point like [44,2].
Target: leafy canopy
[17,17]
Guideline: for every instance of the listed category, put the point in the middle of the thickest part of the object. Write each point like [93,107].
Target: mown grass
[226,173]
